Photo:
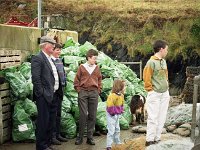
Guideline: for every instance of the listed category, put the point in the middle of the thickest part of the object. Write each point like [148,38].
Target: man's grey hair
[42,45]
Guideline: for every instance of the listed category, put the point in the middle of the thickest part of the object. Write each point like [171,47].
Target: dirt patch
[139,143]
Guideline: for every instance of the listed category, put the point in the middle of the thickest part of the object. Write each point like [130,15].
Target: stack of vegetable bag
[23,126]
[74,54]
[68,124]
[20,84]
[24,109]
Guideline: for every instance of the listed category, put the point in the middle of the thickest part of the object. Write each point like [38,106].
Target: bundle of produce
[74,54]
[23,127]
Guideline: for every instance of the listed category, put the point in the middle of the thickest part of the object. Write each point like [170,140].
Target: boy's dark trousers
[87,102]
[56,128]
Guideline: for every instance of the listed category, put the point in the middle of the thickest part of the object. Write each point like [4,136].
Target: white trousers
[157,106]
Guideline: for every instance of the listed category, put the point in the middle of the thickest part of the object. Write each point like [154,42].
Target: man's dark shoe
[90,141]
[47,148]
[79,141]
[149,143]
[52,148]
[55,141]
[62,139]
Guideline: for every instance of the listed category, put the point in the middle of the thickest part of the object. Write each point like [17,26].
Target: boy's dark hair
[57,45]
[158,45]
[91,53]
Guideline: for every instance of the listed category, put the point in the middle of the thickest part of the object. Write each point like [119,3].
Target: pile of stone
[183,130]
[187,93]
[178,120]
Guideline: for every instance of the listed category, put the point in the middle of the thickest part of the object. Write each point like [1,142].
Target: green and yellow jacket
[155,75]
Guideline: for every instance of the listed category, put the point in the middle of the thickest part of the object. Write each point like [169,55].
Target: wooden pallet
[9,58]
[5,113]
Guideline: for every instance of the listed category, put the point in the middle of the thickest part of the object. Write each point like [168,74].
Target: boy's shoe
[62,139]
[79,141]
[104,132]
[55,141]
[96,133]
[149,143]
[108,148]
[90,141]
[157,141]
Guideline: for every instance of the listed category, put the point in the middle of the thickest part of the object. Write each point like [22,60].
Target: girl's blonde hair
[118,86]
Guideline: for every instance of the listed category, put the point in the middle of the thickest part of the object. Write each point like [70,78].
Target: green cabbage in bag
[23,128]
[68,125]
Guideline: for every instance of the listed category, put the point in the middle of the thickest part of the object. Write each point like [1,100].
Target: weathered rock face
[177,66]
[112,43]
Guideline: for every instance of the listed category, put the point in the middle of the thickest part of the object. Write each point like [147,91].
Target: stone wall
[26,38]
[20,38]
[188,90]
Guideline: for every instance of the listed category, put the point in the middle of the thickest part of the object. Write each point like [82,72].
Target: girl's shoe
[108,148]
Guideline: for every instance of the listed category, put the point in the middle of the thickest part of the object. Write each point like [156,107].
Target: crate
[9,58]
[5,113]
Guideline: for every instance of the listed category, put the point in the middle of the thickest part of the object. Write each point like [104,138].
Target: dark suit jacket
[42,77]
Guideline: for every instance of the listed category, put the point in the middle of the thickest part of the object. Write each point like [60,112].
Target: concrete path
[137,141]
[100,143]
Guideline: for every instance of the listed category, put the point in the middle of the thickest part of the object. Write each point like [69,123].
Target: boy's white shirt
[89,68]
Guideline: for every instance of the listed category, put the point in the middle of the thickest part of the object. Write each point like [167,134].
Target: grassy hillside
[133,23]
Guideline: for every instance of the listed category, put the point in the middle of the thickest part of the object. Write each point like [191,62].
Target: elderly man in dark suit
[45,86]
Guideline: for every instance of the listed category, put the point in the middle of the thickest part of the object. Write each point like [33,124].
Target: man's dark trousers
[45,122]
[56,128]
